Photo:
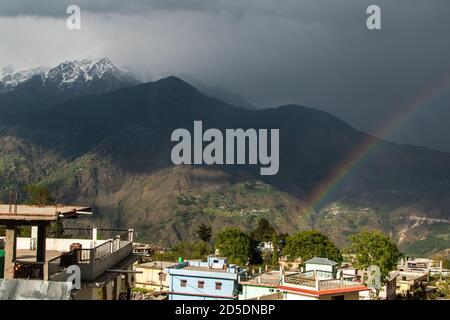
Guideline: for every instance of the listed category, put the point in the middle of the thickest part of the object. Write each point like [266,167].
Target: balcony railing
[300,280]
[94,262]
[344,282]
[260,279]
[60,263]
[324,284]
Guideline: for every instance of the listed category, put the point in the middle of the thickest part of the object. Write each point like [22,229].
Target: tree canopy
[235,245]
[264,232]
[186,250]
[38,195]
[310,244]
[372,247]
[204,232]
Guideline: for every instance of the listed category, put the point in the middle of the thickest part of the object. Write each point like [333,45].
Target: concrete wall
[209,289]
[87,293]
[253,291]
[311,266]
[347,296]
[25,243]
[149,279]
[187,297]
[292,296]
[90,271]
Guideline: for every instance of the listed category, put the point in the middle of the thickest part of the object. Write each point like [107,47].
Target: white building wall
[251,292]
[58,244]
[312,266]
[293,296]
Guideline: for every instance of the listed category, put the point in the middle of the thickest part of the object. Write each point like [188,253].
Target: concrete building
[408,282]
[262,286]
[323,268]
[423,265]
[319,281]
[105,265]
[213,279]
[386,292]
[152,276]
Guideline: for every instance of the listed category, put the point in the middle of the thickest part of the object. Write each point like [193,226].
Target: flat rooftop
[205,269]
[264,279]
[156,265]
[30,255]
[39,213]
[408,276]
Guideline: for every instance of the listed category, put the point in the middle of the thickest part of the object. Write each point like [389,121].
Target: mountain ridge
[112,151]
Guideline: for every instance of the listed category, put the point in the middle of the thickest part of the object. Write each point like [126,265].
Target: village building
[320,281]
[423,265]
[105,265]
[261,286]
[410,282]
[152,276]
[214,279]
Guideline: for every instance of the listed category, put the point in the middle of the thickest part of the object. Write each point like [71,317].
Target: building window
[201,284]
[218,285]
[162,276]
[183,283]
[338,297]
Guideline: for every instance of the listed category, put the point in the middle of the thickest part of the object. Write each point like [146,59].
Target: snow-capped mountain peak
[83,70]
[66,74]
[10,78]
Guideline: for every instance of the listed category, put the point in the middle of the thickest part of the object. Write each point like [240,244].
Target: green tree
[186,250]
[310,244]
[372,247]
[235,245]
[204,232]
[264,231]
[24,231]
[38,195]
[56,230]
[276,250]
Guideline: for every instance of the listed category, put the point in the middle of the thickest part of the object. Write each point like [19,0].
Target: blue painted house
[213,279]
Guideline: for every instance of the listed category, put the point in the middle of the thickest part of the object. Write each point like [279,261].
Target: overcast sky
[315,53]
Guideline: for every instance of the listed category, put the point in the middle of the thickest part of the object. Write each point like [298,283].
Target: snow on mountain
[10,78]
[66,74]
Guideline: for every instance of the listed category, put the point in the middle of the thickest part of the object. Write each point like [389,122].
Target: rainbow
[369,144]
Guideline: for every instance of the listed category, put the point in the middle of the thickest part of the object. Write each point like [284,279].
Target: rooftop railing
[94,262]
[300,280]
[344,282]
[323,284]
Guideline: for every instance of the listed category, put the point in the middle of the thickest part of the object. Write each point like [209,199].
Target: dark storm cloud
[312,52]
[55,8]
